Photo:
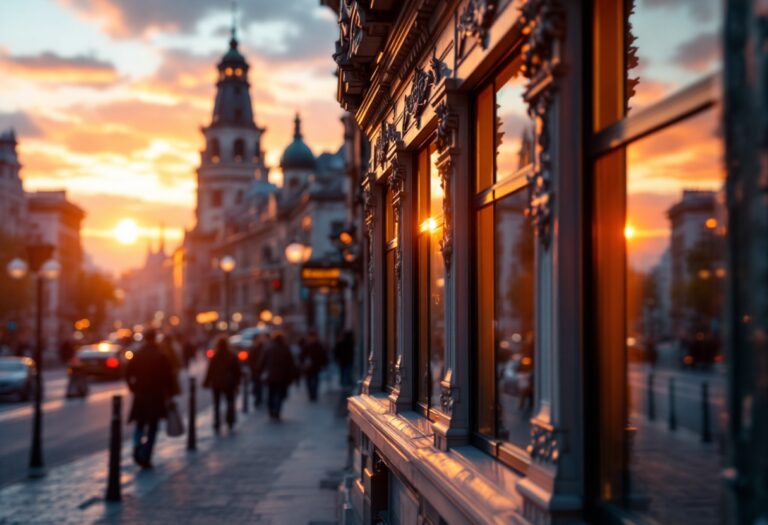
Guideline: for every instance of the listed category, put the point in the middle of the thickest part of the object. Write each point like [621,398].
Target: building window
[504,273]
[214,150]
[390,284]
[239,150]
[658,263]
[216,198]
[430,355]
[238,115]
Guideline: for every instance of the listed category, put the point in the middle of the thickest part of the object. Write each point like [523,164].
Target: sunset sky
[107,98]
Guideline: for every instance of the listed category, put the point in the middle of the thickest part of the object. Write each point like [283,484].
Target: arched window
[239,150]
[214,150]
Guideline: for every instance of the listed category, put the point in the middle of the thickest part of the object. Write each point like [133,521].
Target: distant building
[12,202]
[54,219]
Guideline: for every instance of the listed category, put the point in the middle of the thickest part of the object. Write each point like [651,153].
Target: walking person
[168,349]
[313,359]
[223,378]
[256,364]
[280,371]
[344,354]
[150,378]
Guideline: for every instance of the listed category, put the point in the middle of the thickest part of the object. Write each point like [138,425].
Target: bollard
[115,443]
[192,432]
[672,414]
[651,400]
[245,393]
[706,432]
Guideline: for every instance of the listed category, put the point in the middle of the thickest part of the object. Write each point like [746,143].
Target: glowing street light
[227,265]
[297,253]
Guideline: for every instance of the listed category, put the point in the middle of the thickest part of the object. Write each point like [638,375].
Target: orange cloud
[51,68]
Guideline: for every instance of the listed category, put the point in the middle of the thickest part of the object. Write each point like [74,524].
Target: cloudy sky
[107,98]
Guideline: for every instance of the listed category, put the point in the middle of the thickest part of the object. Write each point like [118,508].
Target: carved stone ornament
[438,68]
[544,446]
[474,22]
[447,393]
[387,137]
[416,101]
[447,123]
[366,386]
[396,182]
[399,372]
[543,23]
[369,218]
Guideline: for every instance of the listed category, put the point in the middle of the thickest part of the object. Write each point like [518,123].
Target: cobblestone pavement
[263,473]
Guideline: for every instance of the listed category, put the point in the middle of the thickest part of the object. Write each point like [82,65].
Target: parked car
[17,376]
[102,360]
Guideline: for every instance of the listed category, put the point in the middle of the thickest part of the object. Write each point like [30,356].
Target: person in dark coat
[223,378]
[150,377]
[313,359]
[344,354]
[280,371]
[256,362]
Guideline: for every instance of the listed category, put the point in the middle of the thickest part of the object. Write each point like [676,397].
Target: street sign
[316,277]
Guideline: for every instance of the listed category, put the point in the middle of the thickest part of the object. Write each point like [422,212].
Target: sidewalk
[263,473]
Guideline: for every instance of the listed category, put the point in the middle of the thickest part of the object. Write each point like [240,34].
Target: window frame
[508,453]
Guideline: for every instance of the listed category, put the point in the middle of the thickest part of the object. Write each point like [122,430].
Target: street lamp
[227,264]
[44,268]
[297,253]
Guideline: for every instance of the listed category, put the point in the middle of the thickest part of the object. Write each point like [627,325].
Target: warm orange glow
[242,355]
[711,223]
[126,231]
[429,225]
[629,231]
[688,360]
[209,353]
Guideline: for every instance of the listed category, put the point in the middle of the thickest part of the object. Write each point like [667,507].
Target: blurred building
[13,206]
[53,219]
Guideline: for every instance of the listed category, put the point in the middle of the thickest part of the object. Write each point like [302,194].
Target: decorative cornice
[543,29]
[544,446]
[474,22]
[416,101]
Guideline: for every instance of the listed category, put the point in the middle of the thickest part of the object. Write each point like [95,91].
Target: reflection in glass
[675,237]
[514,129]
[436,317]
[677,44]
[513,300]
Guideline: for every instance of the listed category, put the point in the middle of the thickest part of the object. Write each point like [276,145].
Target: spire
[233,40]
[161,247]
[297,127]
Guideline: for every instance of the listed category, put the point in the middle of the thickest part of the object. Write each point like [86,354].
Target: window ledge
[463,484]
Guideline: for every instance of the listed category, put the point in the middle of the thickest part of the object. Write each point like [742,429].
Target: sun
[126,231]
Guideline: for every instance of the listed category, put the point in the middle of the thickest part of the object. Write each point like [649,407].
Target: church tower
[232,160]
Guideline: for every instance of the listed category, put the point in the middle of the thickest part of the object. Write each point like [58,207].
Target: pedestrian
[256,362]
[313,359]
[66,350]
[223,378]
[168,349]
[344,354]
[189,350]
[280,371]
[150,378]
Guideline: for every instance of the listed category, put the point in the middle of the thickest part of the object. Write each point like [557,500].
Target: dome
[298,156]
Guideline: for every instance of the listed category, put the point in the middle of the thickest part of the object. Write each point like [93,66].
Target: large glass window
[505,268]
[431,282]
[659,266]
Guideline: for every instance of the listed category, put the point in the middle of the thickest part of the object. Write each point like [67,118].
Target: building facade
[565,266]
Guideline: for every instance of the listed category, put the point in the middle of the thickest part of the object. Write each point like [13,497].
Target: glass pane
[675,237]
[436,317]
[435,189]
[391,324]
[423,353]
[484,135]
[514,129]
[513,288]
[678,43]
[486,409]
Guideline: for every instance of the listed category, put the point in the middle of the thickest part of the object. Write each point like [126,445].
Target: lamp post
[43,267]
[227,264]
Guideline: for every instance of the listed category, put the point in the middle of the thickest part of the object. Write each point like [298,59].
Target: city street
[72,428]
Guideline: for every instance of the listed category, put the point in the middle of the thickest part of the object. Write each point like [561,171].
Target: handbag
[174,424]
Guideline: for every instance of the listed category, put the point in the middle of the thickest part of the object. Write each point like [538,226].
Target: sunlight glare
[126,231]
